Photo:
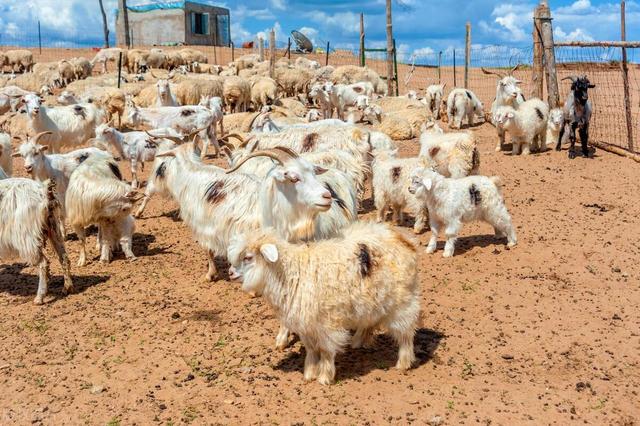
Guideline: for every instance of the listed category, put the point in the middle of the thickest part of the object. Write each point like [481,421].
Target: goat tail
[496,181]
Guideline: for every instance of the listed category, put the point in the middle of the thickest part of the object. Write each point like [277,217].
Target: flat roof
[166,5]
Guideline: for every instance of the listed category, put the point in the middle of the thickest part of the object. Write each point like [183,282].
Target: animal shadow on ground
[141,243]
[383,354]
[464,244]
[17,283]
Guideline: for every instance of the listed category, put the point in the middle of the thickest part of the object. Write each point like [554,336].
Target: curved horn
[492,72]
[573,78]
[232,135]
[37,137]
[195,132]
[152,74]
[246,142]
[266,153]
[253,120]
[514,69]
[287,151]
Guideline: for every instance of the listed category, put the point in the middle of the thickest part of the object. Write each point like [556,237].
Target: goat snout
[28,169]
[233,274]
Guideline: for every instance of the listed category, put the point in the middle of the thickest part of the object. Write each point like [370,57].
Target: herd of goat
[285,212]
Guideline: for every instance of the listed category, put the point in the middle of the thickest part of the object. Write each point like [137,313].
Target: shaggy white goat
[555,123]
[5,154]
[29,217]
[391,180]
[527,125]
[433,98]
[366,279]
[55,167]
[215,106]
[452,202]
[507,94]
[463,103]
[97,195]
[453,155]
[69,125]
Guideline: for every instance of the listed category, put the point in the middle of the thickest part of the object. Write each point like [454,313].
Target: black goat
[577,114]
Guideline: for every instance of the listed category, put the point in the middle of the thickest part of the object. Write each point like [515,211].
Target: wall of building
[211,39]
[156,27]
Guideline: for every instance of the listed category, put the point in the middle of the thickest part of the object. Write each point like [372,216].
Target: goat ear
[43,148]
[434,151]
[510,115]
[320,170]
[591,86]
[269,252]
[166,154]
[428,183]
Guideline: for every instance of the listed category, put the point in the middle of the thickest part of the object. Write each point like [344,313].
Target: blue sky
[421,27]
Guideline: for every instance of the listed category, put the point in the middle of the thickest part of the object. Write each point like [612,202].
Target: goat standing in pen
[577,114]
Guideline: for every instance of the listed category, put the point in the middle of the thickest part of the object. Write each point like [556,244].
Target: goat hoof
[558,148]
[572,155]
[38,300]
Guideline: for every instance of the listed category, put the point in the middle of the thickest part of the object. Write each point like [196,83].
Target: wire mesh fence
[416,72]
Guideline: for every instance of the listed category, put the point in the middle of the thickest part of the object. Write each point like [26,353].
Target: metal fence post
[326,55]
[119,68]
[233,51]
[440,67]
[39,38]
[395,66]
[362,40]
[455,80]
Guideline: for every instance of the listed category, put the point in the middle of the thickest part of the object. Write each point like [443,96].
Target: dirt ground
[546,333]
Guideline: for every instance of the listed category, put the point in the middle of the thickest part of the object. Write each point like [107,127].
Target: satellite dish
[303,44]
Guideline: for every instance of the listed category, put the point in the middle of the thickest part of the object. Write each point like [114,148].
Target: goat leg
[572,140]
[584,140]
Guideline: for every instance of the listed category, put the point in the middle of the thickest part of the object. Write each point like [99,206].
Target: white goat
[452,202]
[165,96]
[69,125]
[214,103]
[433,98]
[527,125]
[555,123]
[5,154]
[366,279]
[183,119]
[55,167]
[463,103]
[391,180]
[507,94]
[344,96]
[322,98]
[133,146]
[29,217]
[453,155]
[289,198]
[97,195]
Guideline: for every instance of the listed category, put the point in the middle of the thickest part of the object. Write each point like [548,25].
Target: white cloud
[579,6]
[278,4]
[576,35]
[347,22]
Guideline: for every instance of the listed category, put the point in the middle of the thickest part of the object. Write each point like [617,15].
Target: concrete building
[175,22]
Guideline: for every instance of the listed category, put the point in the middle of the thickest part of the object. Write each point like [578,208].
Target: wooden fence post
[625,77]
[233,51]
[272,53]
[390,51]
[467,55]
[261,49]
[362,39]
[549,54]
[537,78]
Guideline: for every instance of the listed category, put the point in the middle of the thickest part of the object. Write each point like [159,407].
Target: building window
[200,23]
